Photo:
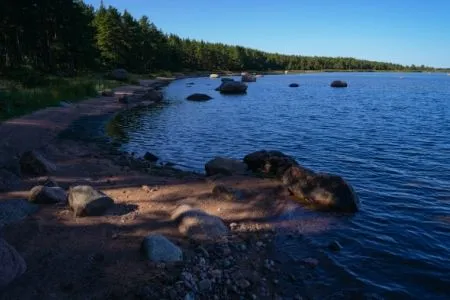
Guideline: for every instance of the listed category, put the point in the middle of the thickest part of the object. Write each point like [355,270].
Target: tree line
[69,37]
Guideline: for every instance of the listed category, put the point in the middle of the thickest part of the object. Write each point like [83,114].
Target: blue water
[388,134]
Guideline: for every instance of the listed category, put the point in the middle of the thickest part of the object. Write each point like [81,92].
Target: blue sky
[399,31]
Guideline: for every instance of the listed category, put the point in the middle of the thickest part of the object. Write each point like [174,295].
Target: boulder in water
[199,97]
[84,200]
[338,84]
[268,162]
[225,166]
[232,87]
[294,85]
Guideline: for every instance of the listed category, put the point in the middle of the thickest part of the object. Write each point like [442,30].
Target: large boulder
[158,248]
[119,74]
[42,194]
[199,97]
[197,224]
[232,87]
[248,78]
[84,200]
[15,210]
[11,262]
[338,84]
[34,163]
[269,162]
[225,166]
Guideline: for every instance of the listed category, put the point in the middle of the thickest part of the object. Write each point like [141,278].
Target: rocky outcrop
[319,190]
[338,84]
[294,85]
[12,211]
[42,194]
[248,78]
[34,163]
[84,200]
[119,74]
[158,248]
[197,224]
[232,87]
[225,166]
[199,97]
[11,262]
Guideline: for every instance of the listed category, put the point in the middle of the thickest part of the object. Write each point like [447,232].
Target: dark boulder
[150,157]
[199,97]
[34,163]
[232,87]
[225,166]
[119,74]
[294,85]
[269,162]
[11,262]
[42,194]
[84,200]
[338,84]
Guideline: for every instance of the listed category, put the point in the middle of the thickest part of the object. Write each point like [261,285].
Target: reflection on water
[389,137]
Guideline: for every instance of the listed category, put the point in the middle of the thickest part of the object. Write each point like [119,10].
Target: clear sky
[399,31]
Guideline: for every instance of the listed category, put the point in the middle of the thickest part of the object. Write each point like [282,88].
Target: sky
[399,31]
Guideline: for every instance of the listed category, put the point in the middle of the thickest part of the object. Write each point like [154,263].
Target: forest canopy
[70,36]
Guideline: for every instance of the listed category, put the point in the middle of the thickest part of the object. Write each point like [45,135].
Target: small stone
[216,273]
[311,262]
[259,244]
[146,188]
[226,263]
[189,296]
[335,246]
[276,281]
[204,285]
[202,261]
[158,248]
[243,283]
[242,247]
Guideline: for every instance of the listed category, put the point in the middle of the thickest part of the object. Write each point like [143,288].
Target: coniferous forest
[70,37]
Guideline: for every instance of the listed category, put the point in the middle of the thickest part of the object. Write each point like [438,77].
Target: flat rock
[11,262]
[42,194]
[12,211]
[197,224]
[158,248]
[84,200]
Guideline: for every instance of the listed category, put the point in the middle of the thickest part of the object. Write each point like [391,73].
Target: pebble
[216,273]
[242,247]
[276,281]
[233,225]
[243,283]
[189,296]
[204,285]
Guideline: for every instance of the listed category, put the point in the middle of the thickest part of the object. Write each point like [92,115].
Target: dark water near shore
[388,134]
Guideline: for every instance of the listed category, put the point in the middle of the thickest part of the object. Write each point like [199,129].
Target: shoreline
[145,195]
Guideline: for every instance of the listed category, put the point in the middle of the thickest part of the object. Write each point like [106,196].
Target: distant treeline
[67,36]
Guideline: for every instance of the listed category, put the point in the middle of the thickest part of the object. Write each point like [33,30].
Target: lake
[388,134]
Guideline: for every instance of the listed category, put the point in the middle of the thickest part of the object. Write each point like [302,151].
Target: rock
[214,76]
[243,283]
[152,95]
[311,262]
[338,84]
[326,192]
[119,74]
[107,94]
[227,79]
[8,181]
[294,85]
[150,157]
[204,285]
[11,262]
[12,211]
[199,97]
[269,162]
[158,248]
[84,200]
[225,166]
[248,78]
[197,224]
[335,246]
[226,193]
[232,87]
[189,296]
[34,163]
[41,194]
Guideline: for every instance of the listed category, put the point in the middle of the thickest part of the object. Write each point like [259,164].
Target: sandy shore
[98,257]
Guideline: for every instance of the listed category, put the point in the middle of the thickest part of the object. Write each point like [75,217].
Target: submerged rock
[84,200]
[225,166]
[232,87]
[34,163]
[338,84]
[11,262]
[158,248]
[199,97]
[294,85]
[197,224]
[42,194]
